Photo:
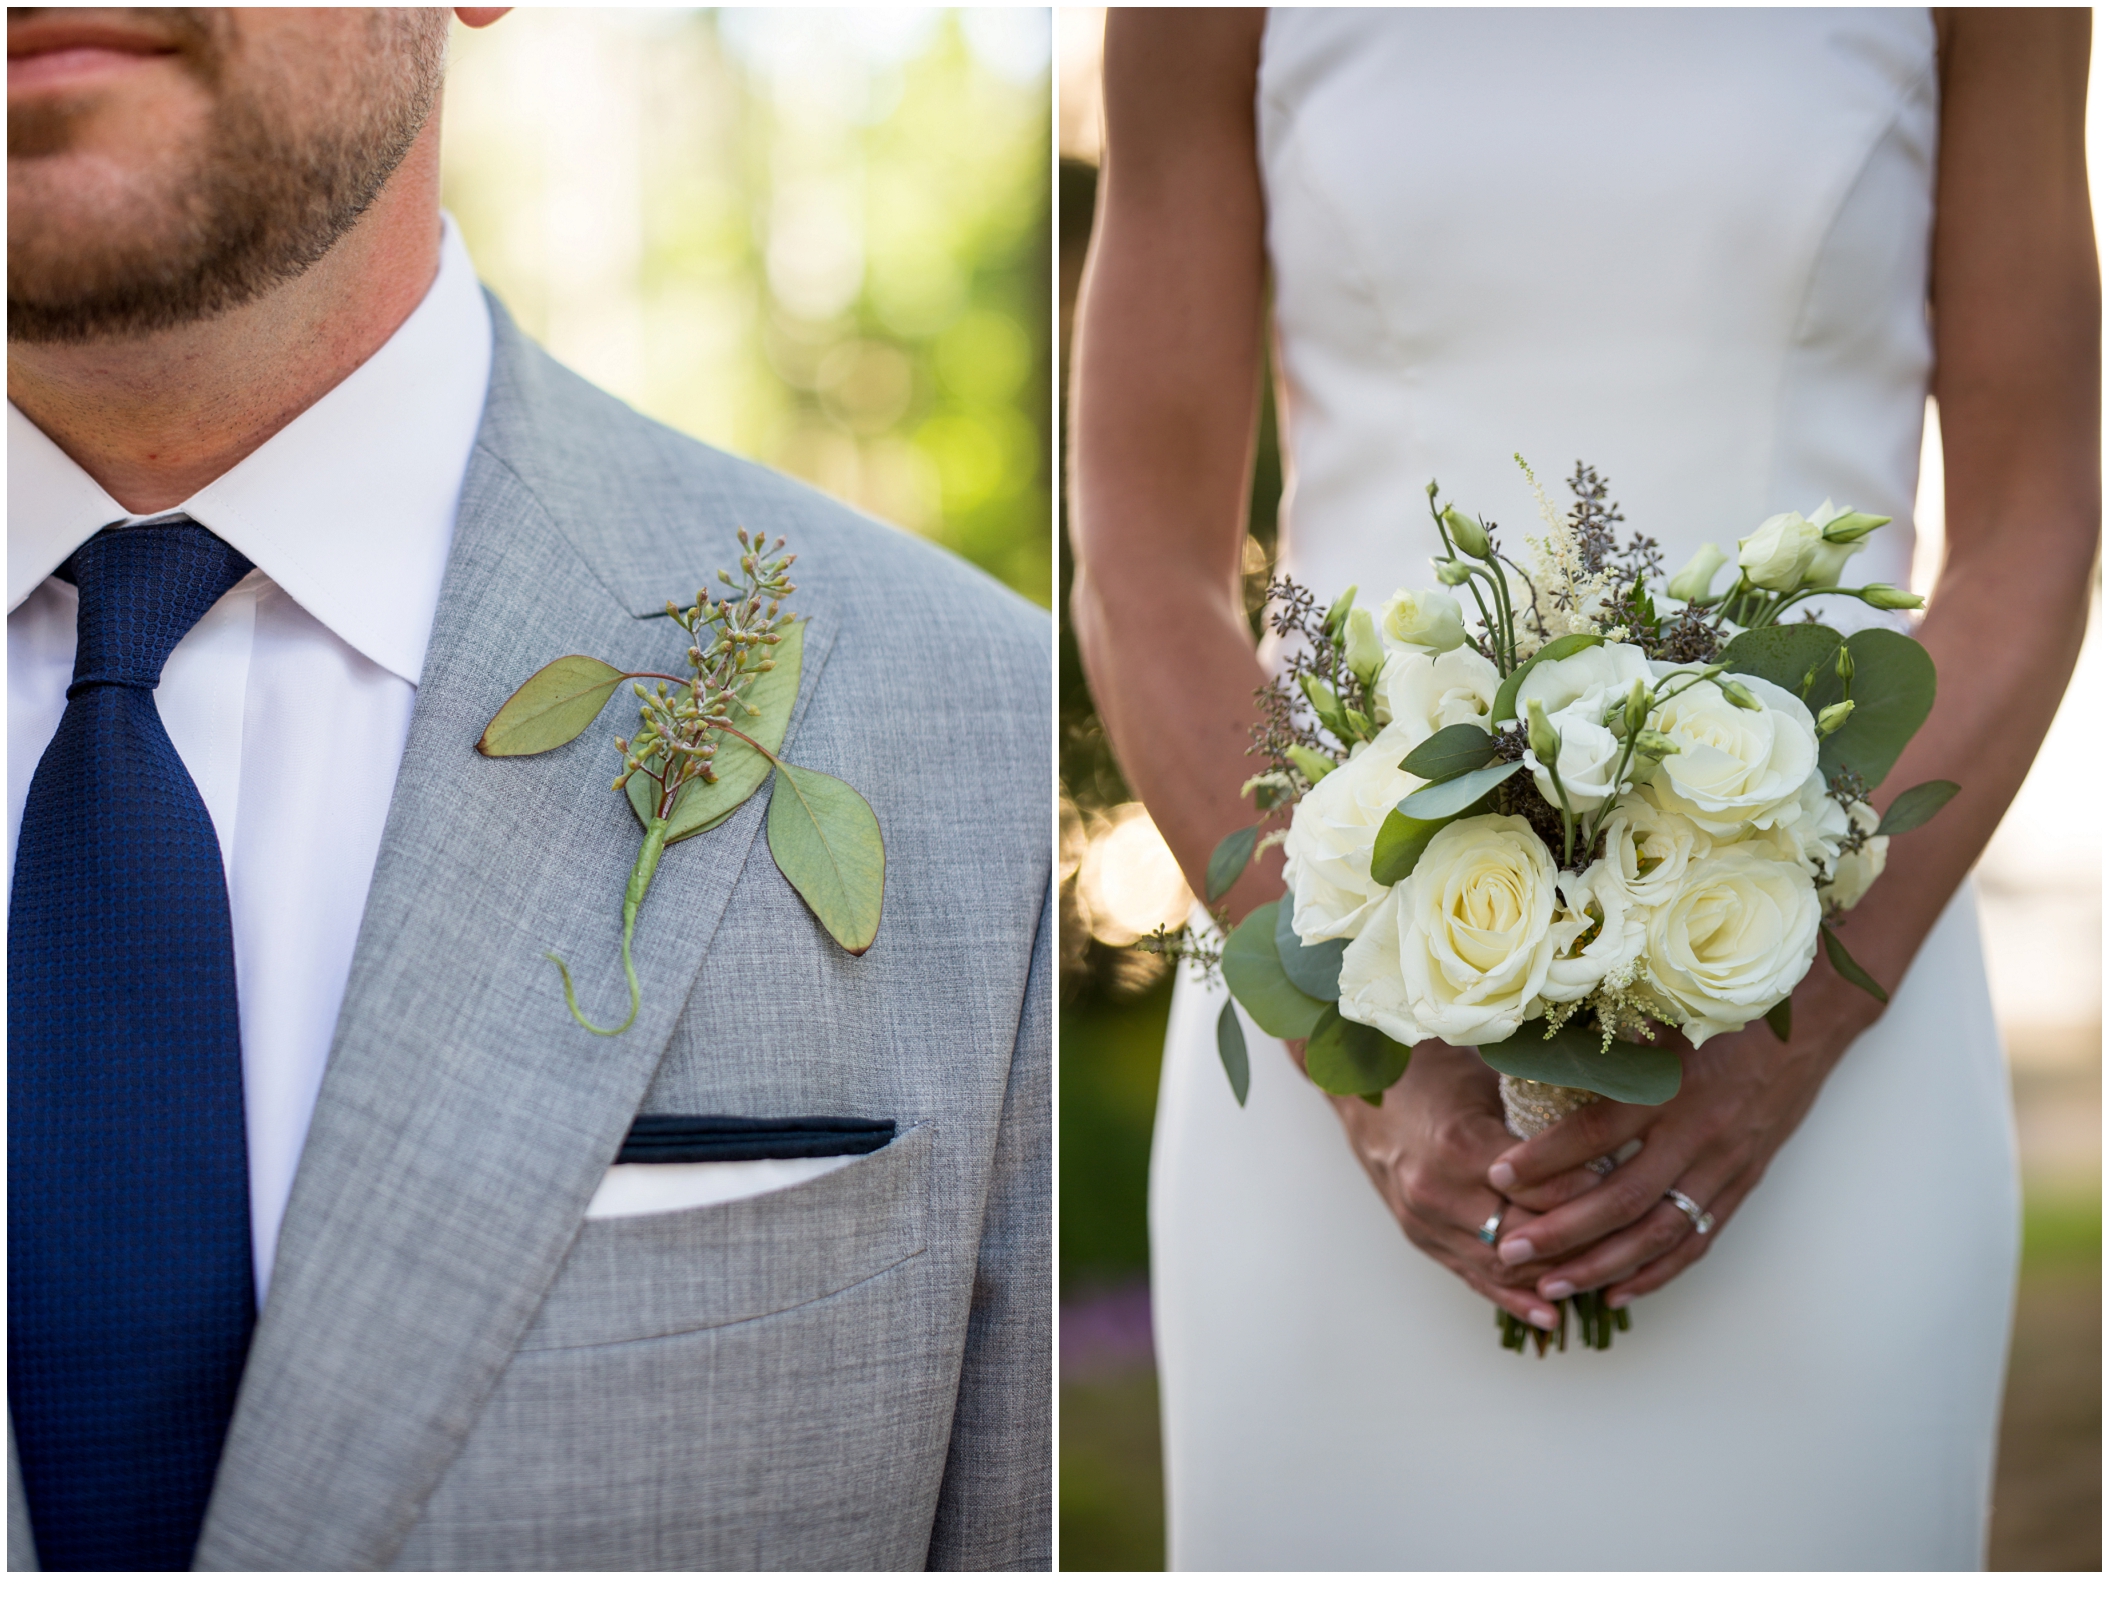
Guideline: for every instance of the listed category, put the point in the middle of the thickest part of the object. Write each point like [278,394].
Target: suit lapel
[464,1120]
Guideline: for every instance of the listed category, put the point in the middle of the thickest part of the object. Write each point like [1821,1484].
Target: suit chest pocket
[662,1275]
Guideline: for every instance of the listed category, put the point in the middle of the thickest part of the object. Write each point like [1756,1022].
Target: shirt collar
[349,508]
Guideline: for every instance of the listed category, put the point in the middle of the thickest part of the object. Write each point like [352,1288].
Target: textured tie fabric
[131,1294]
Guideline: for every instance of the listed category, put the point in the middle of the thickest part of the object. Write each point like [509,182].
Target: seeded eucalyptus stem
[633,894]
[678,732]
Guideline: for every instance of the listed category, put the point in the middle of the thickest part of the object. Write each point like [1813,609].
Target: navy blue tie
[130,1292]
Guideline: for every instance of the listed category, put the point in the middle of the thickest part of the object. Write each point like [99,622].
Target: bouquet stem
[1528,1107]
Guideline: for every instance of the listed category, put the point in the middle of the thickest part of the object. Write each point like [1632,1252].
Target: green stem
[1618,779]
[1486,618]
[633,896]
[1566,811]
[1787,601]
[1508,618]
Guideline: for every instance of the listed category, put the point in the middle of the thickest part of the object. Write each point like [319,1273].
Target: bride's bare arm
[2017,327]
[1165,396]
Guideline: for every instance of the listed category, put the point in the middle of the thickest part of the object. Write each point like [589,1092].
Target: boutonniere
[705,740]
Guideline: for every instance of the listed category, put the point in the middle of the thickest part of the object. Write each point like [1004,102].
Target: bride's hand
[1742,1097]
[1427,1149]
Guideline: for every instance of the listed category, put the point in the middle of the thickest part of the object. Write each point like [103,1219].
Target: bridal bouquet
[1608,814]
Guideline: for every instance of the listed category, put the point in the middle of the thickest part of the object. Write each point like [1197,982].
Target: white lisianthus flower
[1607,670]
[1460,947]
[1696,579]
[1648,849]
[1736,938]
[1853,872]
[1429,622]
[1778,553]
[1599,931]
[1333,832]
[1589,753]
[1734,768]
[1577,693]
[1422,694]
[1810,839]
[1829,558]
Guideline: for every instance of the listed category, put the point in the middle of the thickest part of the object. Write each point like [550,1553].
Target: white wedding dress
[1690,248]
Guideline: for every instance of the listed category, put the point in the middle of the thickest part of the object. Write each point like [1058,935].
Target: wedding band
[1491,1229]
[1702,1222]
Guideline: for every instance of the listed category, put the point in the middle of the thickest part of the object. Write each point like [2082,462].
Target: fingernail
[1557,1289]
[1502,1176]
[1518,1251]
[1543,1318]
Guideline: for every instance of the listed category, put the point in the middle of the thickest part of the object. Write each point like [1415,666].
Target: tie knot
[143,588]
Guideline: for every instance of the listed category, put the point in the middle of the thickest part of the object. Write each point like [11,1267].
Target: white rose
[1589,754]
[1734,768]
[1422,694]
[1852,873]
[1333,833]
[1735,939]
[1461,946]
[1778,553]
[1428,622]
[1648,849]
[1598,932]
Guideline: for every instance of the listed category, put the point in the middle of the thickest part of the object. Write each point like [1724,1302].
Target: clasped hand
[1444,1163]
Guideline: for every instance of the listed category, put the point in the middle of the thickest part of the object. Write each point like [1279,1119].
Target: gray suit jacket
[455,1370]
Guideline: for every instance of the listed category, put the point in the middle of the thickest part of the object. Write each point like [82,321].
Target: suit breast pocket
[764,1383]
[659,1275]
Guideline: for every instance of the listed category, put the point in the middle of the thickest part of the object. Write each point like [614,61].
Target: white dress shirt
[290,701]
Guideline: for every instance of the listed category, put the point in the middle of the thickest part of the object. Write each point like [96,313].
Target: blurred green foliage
[818,239]
[1112,1496]
[1111,1050]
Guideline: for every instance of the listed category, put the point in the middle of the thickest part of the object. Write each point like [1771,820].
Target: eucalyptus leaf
[1313,970]
[1253,971]
[1459,748]
[1852,972]
[1454,796]
[1917,806]
[1893,691]
[739,766]
[1628,1072]
[1230,1042]
[1229,859]
[1559,649]
[1785,656]
[1400,842]
[1781,1017]
[825,838]
[551,708]
[1350,1059]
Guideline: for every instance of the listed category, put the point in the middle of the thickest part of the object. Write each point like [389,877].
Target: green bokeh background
[817,239]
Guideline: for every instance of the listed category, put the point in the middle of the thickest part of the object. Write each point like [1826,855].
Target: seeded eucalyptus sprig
[681,775]
[681,733]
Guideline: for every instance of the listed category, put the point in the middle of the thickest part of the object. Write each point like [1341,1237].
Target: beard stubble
[276,179]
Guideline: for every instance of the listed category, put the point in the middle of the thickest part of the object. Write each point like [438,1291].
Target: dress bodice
[1687,246]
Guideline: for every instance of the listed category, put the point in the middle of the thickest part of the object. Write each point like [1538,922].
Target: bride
[1723,256]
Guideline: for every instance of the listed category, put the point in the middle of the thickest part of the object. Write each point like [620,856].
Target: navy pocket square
[713,1138]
